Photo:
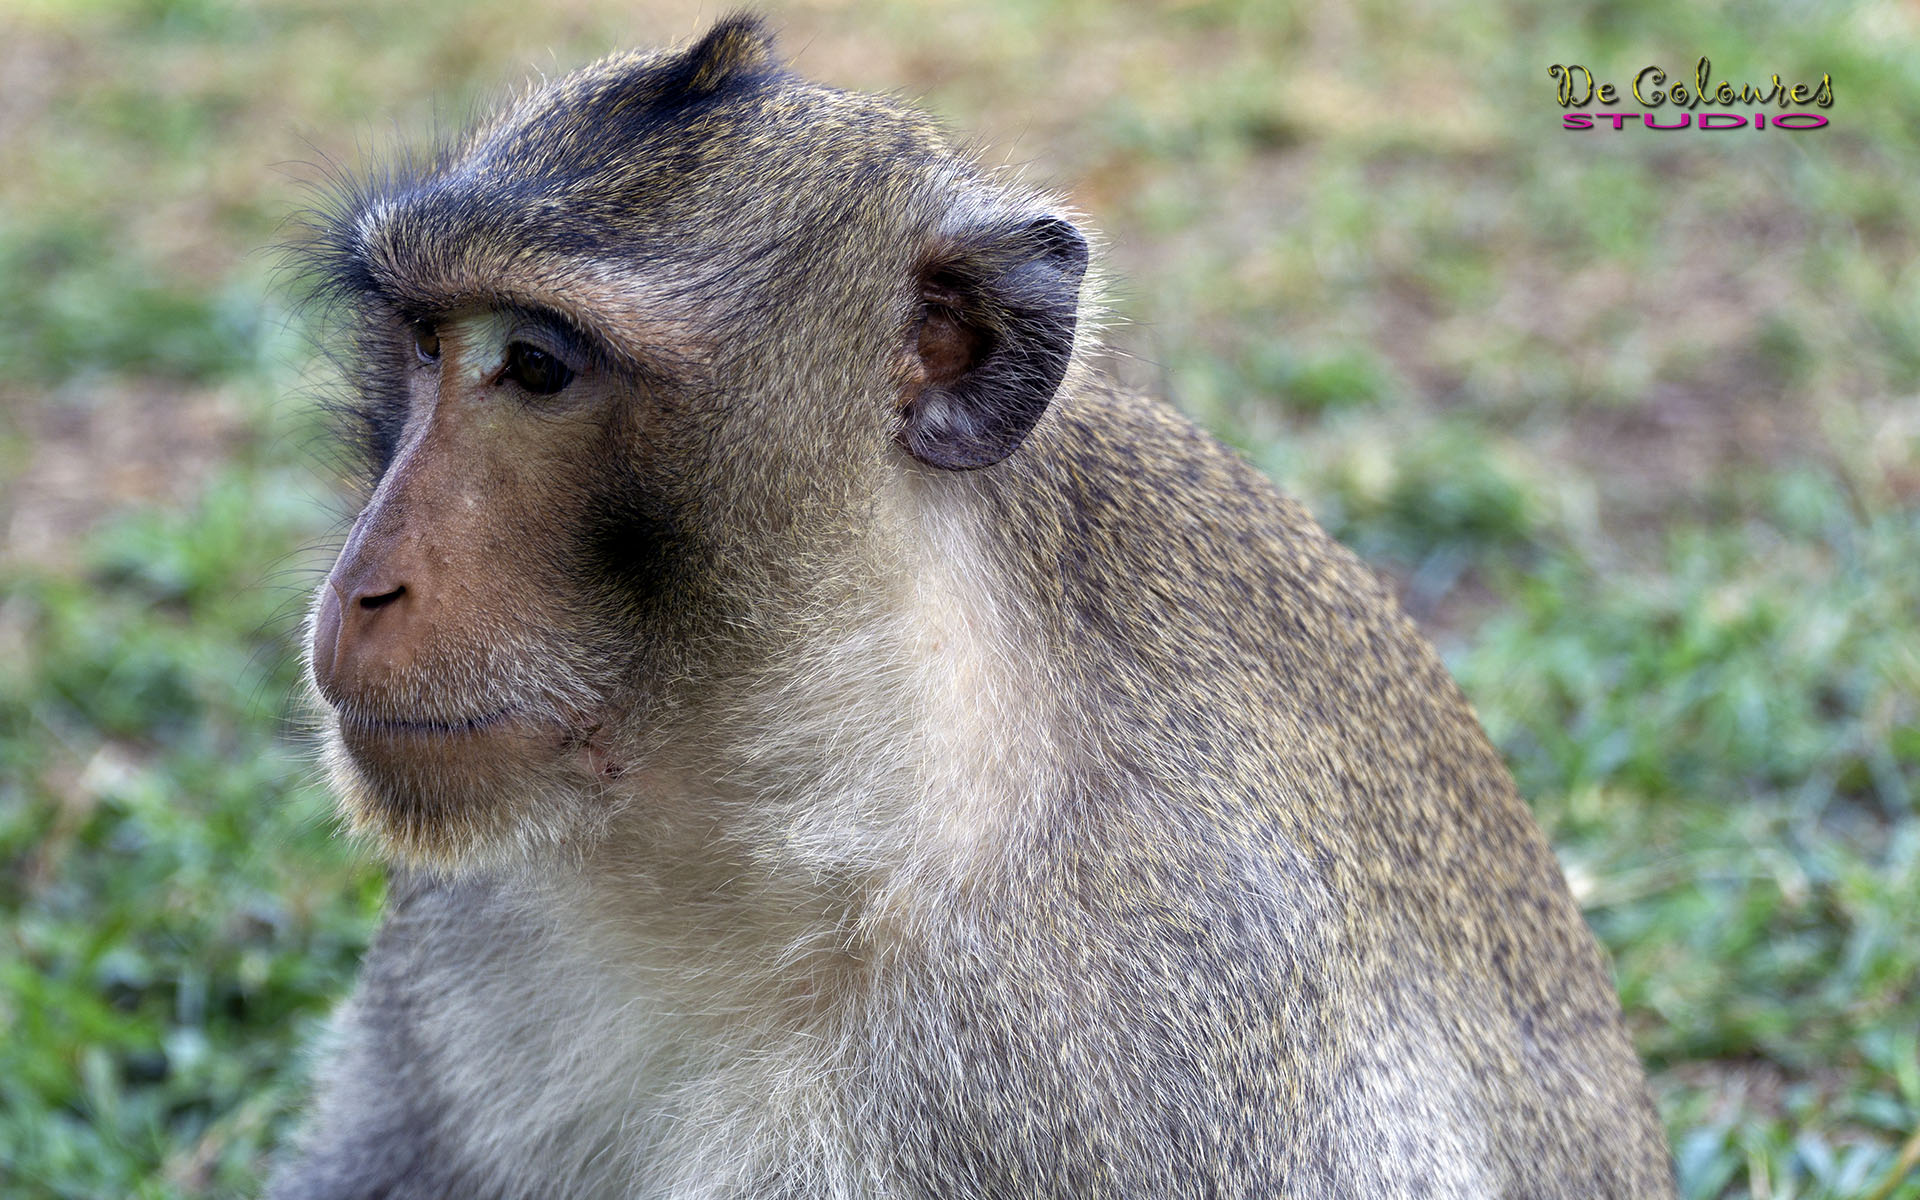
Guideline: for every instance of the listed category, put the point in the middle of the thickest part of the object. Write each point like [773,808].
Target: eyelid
[543,341]
[554,334]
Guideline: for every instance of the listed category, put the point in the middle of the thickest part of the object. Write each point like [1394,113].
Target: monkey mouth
[419,765]
[503,740]
[353,722]
[509,734]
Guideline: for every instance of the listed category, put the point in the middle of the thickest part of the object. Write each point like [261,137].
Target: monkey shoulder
[1295,833]
[1183,583]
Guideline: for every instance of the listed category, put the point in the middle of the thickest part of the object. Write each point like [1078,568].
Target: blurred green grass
[1630,418]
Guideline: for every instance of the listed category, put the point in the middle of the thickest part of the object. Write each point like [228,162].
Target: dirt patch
[1675,444]
[120,445]
[37,67]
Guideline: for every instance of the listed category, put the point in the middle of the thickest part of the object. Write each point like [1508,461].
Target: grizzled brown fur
[837,745]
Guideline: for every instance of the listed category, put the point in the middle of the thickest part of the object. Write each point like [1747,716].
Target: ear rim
[1019,284]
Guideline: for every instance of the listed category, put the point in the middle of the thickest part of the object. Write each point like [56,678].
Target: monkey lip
[426,756]
[513,731]
[442,727]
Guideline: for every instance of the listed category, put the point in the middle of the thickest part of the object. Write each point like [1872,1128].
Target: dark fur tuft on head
[739,47]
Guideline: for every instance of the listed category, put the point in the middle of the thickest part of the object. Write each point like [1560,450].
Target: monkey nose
[326,635]
[360,631]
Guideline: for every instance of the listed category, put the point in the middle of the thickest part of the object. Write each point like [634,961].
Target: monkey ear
[996,330]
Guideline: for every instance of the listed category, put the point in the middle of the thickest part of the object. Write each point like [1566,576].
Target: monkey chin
[452,799]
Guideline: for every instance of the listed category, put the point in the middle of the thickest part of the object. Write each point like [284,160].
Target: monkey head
[645,369]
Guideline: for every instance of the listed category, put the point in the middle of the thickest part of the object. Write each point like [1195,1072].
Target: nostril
[382,600]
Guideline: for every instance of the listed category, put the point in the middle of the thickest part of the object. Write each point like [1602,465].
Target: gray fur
[1083,825]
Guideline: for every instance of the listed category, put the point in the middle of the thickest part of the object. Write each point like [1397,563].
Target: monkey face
[465,662]
[651,367]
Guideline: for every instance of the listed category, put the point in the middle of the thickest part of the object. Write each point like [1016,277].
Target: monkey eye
[426,341]
[536,370]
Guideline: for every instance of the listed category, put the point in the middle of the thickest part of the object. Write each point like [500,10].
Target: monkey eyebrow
[631,320]
[569,339]
[583,347]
